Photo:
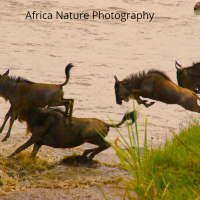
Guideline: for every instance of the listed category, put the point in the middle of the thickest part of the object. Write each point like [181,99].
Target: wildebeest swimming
[189,77]
[155,85]
[48,128]
[23,93]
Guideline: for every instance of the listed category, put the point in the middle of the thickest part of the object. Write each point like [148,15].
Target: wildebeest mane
[20,79]
[160,73]
[36,117]
[142,74]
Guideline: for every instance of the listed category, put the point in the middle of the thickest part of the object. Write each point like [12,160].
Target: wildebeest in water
[23,93]
[189,77]
[48,128]
[155,85]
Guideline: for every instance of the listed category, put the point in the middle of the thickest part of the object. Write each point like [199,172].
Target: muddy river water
[111,37]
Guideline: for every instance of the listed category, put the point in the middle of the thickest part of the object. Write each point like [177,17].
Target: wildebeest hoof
[71,122]
[65,122]
[4,139]
[150,104]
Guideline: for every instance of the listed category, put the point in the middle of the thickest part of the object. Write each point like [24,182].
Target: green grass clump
[168,172]
[175,168]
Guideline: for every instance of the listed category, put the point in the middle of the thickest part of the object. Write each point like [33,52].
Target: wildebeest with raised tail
[155,85]
[47,128]
[189,77]
[23,93]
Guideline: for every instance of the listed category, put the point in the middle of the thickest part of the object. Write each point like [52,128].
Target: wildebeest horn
[6,73]
[180,67]
[116,79]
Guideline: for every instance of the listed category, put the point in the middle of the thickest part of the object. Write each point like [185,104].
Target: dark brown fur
[197,6]
[23,93]
[47,128]
[189,77]
[155,85]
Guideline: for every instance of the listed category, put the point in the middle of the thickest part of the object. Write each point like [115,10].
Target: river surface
[39,49]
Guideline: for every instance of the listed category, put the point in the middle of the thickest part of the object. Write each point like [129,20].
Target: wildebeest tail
[48,108]
[67,73]
[127,116]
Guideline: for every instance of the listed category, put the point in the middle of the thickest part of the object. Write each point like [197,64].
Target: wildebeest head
[188,77]
[2,79]
[180,70]
[121,91]
[181,73]
[4,76]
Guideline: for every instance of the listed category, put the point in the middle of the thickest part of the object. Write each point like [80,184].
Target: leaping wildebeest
[155,85]
[23,93]
[48,128]
[189,77]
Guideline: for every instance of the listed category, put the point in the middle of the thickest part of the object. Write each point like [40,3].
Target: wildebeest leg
[139,101]
[69,103]
[67,107]
[71,109]
[35,149]
[189,102]
[12,119]
[102,146]
[138,92]
[5,119]
[22,147]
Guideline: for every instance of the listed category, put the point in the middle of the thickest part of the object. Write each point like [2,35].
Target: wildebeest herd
[32,102]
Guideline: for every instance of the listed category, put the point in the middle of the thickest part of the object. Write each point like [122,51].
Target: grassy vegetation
[168,172]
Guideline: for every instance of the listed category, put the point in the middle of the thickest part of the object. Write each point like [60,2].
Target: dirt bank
[58,174]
